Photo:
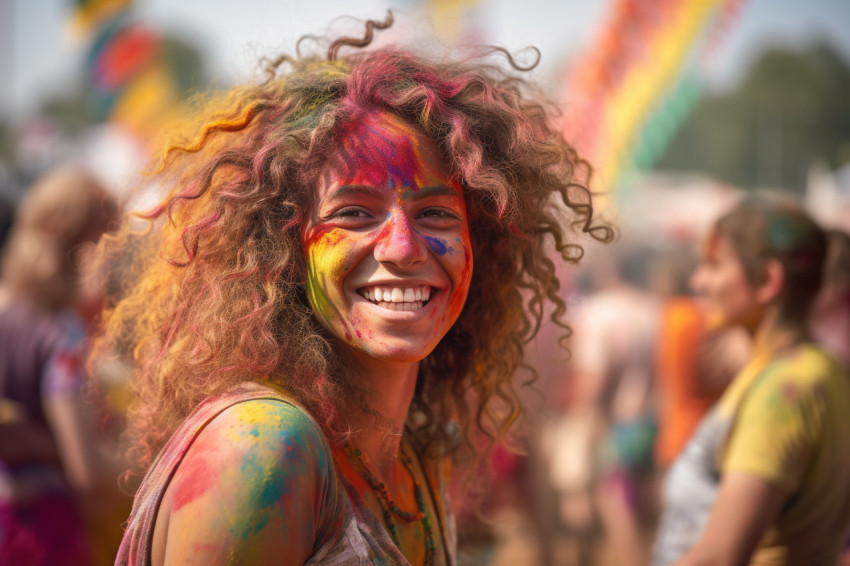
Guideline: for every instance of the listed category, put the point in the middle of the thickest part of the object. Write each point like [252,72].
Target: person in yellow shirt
[766,477]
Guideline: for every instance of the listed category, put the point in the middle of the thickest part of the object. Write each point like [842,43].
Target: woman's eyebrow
[372,192]
[434,191]
[349,190]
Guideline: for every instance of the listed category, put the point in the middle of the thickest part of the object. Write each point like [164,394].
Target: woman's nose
[399,242]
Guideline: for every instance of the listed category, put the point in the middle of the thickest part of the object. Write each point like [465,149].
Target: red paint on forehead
[381,149]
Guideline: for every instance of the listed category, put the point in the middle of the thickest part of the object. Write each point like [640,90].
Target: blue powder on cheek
[437,245]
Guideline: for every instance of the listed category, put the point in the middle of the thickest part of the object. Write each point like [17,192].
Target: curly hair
[216,294]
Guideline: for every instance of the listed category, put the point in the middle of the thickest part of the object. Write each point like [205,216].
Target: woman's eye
[350,212]
[439,213]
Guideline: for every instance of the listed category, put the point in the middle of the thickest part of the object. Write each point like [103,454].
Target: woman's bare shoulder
[250,488]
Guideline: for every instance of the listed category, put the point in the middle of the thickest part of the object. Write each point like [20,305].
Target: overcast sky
[39,57]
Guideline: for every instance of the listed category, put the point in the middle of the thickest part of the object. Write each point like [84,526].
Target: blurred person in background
[54,475]
[831,317]
[311,341]
[766,477]
[7,216]
[694,360]
[613,376]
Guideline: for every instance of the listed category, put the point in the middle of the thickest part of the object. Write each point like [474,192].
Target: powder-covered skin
[411,535]
[250,489]
[388,215]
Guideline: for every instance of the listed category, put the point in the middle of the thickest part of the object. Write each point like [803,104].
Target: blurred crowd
[648,360]
[606,417]
[60,501]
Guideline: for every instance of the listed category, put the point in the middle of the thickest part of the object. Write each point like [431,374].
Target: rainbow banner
[640,79]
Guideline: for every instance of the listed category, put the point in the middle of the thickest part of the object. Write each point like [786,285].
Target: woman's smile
[397,299]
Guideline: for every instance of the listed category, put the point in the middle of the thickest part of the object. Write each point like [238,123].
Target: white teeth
[397,298]
[401,306]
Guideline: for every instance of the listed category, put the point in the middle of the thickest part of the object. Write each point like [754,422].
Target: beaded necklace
[388,505]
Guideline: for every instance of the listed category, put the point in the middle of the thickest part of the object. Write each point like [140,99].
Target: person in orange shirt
[694,359]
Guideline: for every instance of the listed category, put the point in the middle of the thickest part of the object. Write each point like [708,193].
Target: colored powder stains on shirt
[790,392]
[783,421]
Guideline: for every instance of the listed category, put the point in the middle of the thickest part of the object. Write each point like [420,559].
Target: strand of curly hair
[214,294]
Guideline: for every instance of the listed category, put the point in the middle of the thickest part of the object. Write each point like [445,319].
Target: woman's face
[722,284]
[389,258]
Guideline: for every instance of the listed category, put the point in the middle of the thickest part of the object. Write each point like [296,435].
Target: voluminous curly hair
[215,294]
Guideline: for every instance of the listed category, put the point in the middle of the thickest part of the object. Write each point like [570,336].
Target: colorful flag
[639,80]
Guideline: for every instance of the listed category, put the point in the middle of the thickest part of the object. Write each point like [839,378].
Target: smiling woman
[312,344]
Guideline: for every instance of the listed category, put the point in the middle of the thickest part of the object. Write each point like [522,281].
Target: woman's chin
[392,351]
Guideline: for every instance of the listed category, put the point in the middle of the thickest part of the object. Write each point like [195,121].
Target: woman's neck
[390,387]
[775,335]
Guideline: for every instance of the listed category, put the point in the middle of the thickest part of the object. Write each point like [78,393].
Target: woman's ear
[773,283]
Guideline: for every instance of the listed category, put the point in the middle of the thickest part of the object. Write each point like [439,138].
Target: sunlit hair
[217,295]
[767,226]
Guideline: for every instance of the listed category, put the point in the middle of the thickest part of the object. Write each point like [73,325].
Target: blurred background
[681,105]
[748,93]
